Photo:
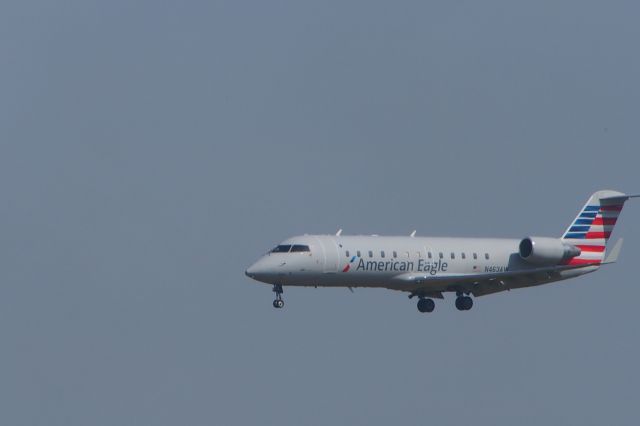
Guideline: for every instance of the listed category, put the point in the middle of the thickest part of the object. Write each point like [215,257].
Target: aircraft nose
[265,270]
[251,271]
[258,271]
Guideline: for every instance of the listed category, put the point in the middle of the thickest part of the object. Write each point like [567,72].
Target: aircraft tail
[591,229]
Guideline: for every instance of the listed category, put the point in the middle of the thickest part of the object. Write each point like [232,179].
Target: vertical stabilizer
[591,229]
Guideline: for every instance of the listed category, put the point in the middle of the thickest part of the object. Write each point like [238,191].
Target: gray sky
[150,151]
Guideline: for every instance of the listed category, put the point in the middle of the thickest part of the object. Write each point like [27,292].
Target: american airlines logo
[346,268]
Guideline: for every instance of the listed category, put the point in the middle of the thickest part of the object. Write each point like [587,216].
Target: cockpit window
[281,249]
[299,248]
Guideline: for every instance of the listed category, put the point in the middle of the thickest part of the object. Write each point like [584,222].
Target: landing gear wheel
[464,303]
[468,303]
[426,305]
[278,303]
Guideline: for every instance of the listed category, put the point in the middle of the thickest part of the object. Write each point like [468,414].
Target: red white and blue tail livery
[592,228]
[428,267]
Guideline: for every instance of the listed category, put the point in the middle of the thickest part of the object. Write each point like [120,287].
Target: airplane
[427,267]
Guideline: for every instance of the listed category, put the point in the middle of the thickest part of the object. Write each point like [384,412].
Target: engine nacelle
[546,251]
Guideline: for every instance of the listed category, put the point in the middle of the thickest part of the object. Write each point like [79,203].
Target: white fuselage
[391,262]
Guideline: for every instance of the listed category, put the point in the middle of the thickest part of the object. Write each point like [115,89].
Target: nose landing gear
[278,303]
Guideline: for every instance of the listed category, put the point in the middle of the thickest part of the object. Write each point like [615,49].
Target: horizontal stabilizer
[621,198]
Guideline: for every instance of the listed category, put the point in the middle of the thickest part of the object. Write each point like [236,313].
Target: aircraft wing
[482,283]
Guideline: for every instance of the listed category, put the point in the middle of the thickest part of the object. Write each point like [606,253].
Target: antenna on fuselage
[339,232]
[413,234]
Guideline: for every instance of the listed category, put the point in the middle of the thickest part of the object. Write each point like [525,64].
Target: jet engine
[546,251]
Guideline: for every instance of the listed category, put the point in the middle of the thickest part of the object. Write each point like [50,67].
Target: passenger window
[486,256]
[453,255]
[419,254]
[347,253]
[370,253]
[407,253]
[382,254]
[475,255]
[440,255]
[429,255]
[464,256]
[395,254]
[358,253]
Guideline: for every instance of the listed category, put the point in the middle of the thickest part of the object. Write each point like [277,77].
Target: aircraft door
[331,255]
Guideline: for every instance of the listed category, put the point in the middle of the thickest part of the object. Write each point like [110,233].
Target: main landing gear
[426,305]
[463,303]
[278,303]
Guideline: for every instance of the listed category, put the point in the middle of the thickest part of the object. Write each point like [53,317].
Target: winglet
[615,251]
